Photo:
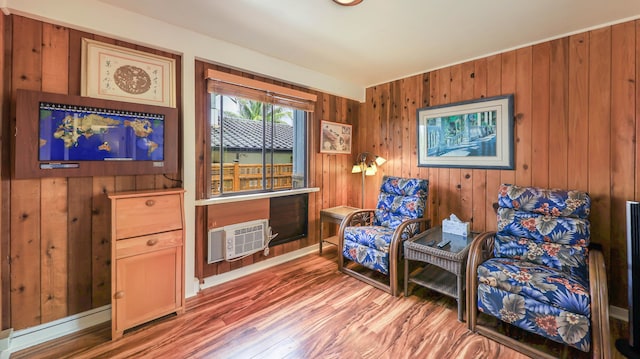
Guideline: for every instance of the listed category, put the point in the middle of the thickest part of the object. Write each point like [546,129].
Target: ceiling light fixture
[347,2]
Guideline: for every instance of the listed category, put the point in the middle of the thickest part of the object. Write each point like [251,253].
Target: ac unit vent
[245,238]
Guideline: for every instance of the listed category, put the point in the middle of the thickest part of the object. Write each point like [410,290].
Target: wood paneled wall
[576,124]
[331,173]
[55,236]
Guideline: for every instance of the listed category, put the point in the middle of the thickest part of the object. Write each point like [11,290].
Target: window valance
[233,85]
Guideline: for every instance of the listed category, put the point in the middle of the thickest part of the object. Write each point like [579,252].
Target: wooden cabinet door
[147,286]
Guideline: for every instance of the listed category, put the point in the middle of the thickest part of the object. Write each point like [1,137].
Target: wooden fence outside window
[247,177]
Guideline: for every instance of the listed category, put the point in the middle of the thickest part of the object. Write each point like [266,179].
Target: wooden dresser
[147,251]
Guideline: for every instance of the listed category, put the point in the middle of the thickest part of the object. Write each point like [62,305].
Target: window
[256,146]
[258,139]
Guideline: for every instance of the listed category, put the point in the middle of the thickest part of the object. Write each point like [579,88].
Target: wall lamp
[367,164]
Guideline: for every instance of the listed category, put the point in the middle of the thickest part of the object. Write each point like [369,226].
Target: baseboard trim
[22,339]
[256,267]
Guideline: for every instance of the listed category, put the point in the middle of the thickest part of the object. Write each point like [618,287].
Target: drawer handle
[152,242]
[150,202]
[119,295]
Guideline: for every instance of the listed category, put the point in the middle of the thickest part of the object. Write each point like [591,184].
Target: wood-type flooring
[301,309]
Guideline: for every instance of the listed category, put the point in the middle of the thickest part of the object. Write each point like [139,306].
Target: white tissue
[454,225]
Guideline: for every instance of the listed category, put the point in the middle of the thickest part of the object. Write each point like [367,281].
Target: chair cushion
[557,242]
[571,258]
[550,202]
[400,199]
[405,186]
[392,210]
[367,256]
[537,317]
[537,282]
[563,230]
[376,237]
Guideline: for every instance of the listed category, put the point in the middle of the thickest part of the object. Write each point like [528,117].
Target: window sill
[248,197]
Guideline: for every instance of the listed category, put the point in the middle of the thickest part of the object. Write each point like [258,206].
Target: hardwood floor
[301,309]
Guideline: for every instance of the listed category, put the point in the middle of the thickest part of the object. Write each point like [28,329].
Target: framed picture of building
[470,134]
[117,73]
[335,137]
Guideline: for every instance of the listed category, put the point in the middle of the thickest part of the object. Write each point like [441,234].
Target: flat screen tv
[67,136]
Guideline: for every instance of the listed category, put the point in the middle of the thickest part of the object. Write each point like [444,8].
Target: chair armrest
[425,223]
[480,250]
[361,217]
[599,305]
[396,240]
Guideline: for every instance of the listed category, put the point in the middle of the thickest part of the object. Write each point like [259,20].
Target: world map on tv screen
[76,133]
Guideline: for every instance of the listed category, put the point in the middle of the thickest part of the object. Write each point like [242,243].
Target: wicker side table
[445,267]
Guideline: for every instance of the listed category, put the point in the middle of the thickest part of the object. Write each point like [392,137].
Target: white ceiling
[383,40]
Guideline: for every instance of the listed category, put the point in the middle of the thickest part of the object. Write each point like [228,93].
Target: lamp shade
[371,170]
[380,161]
[356,168]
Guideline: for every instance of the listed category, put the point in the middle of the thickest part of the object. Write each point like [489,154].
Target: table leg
[406,277]
[460,298]
[321,237]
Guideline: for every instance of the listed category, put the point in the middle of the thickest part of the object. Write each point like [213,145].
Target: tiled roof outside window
[247,134]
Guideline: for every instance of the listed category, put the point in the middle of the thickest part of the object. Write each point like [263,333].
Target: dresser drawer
[146,244]
[146,215]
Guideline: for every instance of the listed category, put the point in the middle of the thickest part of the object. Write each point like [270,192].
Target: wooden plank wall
[576,124]
[331,173]
[56,236]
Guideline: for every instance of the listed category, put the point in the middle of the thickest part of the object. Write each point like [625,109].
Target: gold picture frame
[335,137]
[117,73]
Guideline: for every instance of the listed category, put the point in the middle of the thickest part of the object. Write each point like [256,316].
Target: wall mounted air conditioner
[237,240]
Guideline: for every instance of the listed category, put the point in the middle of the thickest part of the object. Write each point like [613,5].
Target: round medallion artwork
[132,79]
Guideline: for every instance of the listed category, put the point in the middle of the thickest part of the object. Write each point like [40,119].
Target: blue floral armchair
[538,273]
[372,238]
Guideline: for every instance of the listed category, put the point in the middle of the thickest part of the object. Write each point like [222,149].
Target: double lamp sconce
[367,164]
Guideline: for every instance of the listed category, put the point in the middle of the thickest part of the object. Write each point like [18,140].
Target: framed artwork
[335,137]
[118,73]
[469,134]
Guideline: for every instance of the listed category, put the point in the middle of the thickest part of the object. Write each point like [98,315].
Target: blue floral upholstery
[400,199]
[538,278]
[368,246]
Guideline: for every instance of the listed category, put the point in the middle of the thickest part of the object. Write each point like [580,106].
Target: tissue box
[455,227]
